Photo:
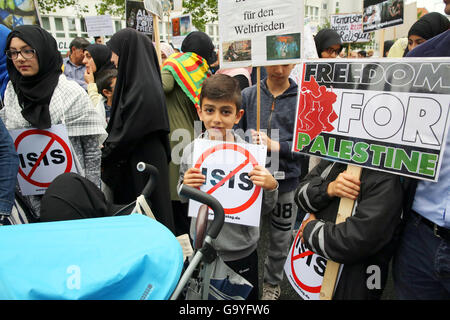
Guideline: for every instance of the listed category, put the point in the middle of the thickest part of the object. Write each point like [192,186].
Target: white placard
[305,269]
[43,155]
[350,27]
[226,166]
[260,32]
[154,7]
[99,25]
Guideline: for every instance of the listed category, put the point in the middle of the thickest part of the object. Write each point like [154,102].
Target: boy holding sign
[220,109]
[366,241]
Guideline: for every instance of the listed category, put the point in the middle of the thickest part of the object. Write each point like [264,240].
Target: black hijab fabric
[139,104]
[326,38]
[201,44]
[102,57]
[71,196]
[430,25]
[35,92]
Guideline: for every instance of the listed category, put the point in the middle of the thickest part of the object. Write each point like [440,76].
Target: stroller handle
[203,197]
[152,180]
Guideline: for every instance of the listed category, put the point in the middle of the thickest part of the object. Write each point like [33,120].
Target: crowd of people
[121,107]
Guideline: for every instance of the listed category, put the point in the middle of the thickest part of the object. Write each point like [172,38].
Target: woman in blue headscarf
[4,77]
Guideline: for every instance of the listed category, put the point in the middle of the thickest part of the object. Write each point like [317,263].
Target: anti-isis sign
[390,115]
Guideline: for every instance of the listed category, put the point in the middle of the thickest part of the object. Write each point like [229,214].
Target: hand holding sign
[259,137]
[194,178]
[345,186]
[261,177]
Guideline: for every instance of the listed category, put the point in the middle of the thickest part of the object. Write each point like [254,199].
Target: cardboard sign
[43,155]
[99,25]
[305,270]
[349,27]
[260,32]
[389,115]
[380,14]
[154,7]
[226,166]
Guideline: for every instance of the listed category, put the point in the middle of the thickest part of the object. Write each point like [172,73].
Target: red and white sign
[43,155]
[226,166]
[305,270]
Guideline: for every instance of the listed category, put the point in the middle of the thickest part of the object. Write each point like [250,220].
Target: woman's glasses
[25,53]
[330,51]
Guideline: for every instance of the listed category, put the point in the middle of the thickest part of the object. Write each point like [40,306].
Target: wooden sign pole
[332,269]
[258,97]
[157,40]
[381,42]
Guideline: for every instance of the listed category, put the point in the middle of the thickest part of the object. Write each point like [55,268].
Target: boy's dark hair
[222,87]
[104,79]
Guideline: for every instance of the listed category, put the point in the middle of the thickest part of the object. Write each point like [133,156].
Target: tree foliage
[202,11]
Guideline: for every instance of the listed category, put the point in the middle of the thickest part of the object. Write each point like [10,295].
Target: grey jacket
[275,113]
[234,241]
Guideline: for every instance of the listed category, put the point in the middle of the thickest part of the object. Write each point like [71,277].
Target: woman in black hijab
[98,57]
[328,43]
[139,126]
[427,27]
[40,96]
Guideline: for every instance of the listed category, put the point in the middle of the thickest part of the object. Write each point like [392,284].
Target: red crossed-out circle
[249,158]
[53,138]
[296,279]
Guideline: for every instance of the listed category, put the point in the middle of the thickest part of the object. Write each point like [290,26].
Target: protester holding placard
[421,263]
[365,241]
[182,76]
[220,110]
[39,96]
[278,105]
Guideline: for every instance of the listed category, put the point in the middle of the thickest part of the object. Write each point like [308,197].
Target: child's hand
[194,178]
[88,75]
[261,177]
[302,227]
[345,186]
[259,137]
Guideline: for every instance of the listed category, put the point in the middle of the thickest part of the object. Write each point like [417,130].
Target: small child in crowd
[220,109]
[106,82]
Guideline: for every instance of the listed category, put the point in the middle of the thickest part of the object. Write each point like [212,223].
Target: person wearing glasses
[39,96]
[328,43]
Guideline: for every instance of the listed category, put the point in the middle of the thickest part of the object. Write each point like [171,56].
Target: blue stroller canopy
[123,257]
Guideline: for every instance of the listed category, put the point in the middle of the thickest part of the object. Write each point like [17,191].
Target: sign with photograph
[350,27]
[389,115]
[260,32]
[382,14]
[137,17]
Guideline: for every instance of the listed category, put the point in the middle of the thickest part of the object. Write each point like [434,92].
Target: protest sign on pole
[43,155]
[138,18]
[349,27]
[389,115]
[226,166]
[99,25]
[380,14]
[260,32]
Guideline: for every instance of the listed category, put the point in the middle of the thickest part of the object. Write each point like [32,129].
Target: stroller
[128,255]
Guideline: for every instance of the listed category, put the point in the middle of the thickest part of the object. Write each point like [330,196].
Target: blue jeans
[422,264]
[9,165]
